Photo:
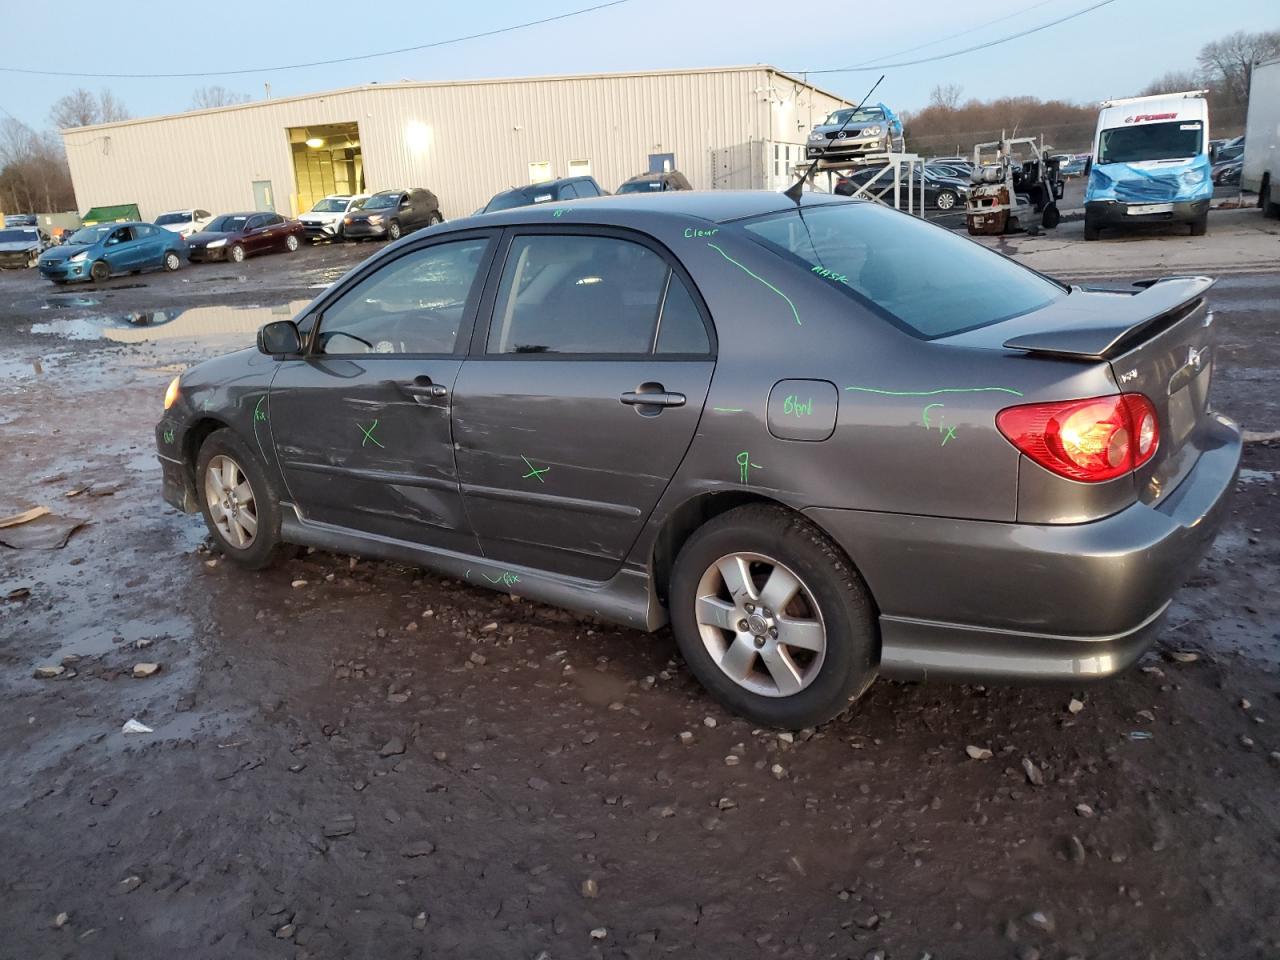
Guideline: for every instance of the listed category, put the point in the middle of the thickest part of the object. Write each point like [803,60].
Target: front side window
[122,235]
[1150,141]
[415,304]
[231,223]
[567,294]
[382,201]
[926,279]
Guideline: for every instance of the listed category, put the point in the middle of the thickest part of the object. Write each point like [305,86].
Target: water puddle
[1248,475]
[192,323]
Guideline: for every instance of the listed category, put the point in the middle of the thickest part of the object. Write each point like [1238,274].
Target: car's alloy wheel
[946,200]
[760,624]
[236,253]
[291,243]
[434,219]
[231,501]
[393,230]
[172,261]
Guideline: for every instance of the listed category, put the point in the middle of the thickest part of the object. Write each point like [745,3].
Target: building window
[579,168]
[540,171]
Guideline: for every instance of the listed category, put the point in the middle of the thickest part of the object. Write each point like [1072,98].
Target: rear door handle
[657,399]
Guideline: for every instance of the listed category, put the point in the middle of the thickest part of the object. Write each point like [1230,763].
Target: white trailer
[1261,171]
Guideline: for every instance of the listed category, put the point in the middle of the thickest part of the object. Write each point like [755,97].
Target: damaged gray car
[823,440]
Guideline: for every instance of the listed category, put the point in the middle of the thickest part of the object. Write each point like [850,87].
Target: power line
[962,33]
[956,53]
[313,63]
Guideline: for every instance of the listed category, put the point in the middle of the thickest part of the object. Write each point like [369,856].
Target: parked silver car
[824,440]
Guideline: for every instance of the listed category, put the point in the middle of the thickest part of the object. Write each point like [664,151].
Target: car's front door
[408,214]
[361,424]
[121,250]
[580,399]
[256,237]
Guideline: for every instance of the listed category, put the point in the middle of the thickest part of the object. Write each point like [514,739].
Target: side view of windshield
[1151,141]
[865,115]
[90,234]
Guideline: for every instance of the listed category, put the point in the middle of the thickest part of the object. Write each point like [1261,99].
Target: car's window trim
[484,316]
[466,326]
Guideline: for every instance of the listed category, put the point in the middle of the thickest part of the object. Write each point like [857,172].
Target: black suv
[656,182]
[393,213]
[566,188]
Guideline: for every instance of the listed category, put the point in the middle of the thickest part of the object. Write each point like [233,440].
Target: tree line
[34,176]
[1224,67]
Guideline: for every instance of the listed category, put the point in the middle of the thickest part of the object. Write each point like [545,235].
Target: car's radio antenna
[796,189]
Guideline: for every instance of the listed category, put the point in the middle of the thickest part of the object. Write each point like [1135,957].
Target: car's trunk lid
[1158,342]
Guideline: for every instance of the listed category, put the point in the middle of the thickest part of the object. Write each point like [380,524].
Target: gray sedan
[824,441]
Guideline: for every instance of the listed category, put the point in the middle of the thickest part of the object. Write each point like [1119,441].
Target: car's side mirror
[280,337]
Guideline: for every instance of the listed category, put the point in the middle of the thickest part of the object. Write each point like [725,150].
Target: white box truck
[1261,171]
[1150,163]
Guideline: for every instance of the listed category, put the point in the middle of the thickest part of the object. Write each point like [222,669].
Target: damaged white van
[1150,163]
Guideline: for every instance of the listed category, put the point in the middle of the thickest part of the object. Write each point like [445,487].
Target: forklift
[1013,181]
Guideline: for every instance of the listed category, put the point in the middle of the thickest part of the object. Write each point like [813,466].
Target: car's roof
[717,206]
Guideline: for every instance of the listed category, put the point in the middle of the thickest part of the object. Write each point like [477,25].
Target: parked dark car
[21,220]
[1227,173]
[21,246]
[940,192]
[568,188]
[98,252]
[389,214]
[822,446]
[234,236]
[655,182]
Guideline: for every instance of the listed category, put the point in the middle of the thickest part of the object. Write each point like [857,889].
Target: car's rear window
[924,278]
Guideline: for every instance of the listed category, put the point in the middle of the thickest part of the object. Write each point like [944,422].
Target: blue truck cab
[1150,163]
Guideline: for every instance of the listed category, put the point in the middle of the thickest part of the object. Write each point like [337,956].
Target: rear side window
[923,278]
[567,294]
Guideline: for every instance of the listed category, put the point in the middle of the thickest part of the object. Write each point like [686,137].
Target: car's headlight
[375,218]
[83,254]
[216,243]
[872,132]
[817,137]
[171,395]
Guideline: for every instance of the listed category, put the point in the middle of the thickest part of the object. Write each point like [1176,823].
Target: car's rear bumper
[982,600]
[1115,213]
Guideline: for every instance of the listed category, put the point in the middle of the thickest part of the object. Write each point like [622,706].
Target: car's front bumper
[177,485]
[204,254]
[982,600]
[322,231]
[363,228]
[847,147]
[1115,213]
[65,270]
[17,259]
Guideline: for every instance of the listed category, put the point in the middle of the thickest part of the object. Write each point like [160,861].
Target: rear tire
[246,527]
[1051,217]
[435,219]
[100,272]
[794,666]
[236,253]
[946,200]
[1269,207]
[172,261]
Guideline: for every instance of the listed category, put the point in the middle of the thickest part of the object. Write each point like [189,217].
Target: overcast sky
[1112,51]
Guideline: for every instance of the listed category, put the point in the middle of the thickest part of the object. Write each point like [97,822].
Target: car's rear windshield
[1150,141]
[923,278]
[172,218]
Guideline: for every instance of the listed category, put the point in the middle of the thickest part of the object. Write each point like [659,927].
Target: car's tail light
[1089,440]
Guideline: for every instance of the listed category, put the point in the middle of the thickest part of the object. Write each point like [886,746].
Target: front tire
[100,272]
[1200,226]
[1051,217]
[1269,207]
[393,231]
[239,507]
[772,618]
[236,253]
[291,243]
[172,261]
[1091,228]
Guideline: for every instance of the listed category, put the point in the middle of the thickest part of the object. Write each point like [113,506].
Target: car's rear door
[581,397]
[361,424]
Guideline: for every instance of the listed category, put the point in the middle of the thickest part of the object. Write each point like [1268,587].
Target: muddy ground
[355,759]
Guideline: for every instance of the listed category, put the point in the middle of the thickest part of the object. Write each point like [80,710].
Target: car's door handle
[421,388]
[658,398]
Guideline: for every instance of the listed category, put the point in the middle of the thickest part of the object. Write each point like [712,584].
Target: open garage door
[326,159]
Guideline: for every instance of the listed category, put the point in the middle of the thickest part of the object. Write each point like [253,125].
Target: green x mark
[368,434]
[533,471]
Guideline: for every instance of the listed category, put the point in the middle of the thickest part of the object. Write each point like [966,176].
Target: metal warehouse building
[730,127]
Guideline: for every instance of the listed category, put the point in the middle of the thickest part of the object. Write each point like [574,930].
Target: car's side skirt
[626,598]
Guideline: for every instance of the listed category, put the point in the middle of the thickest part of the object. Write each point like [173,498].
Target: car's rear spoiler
[1073,328]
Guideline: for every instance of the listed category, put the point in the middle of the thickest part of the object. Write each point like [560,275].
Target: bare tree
[34,177]
[945,96]
[216,96]
[1230,60]
[80,108]
[1175,81]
